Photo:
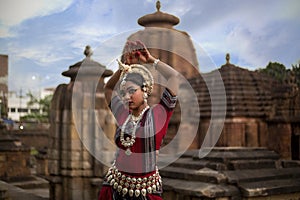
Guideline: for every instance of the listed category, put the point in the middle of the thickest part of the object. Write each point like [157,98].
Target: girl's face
[132,95]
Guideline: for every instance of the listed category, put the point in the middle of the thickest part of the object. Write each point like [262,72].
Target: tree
[279,72]
[275,70]
[42,113]
[296,70]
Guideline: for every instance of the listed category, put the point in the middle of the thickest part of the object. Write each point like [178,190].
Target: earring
[145,96]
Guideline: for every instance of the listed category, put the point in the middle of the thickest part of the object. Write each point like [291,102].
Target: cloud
[255,33]
[178,8]
[43,55]
[14,12]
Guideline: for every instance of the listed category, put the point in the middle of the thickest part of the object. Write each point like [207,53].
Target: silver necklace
[128,142]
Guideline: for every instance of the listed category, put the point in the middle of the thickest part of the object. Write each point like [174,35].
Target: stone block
[67,116]
[257,175]
[101,117]
[68,172]
[2,158]
[56,132]
[263,134]
[71,165]
[89,193]
[251,164]
[290,163]
[71,155]
[270,187]
[53,143]
[293,196]
[53,167]
[87,173]
[251,134]
[231,153]
[77,172]
[74,134]
[53,154]
[86,155]
[100,170]
[74,145]
[86,165]
[75,194]
[196,189]
[279,139]
[204,175]
[58,118]
[74,183]
[65,131]
[55,191]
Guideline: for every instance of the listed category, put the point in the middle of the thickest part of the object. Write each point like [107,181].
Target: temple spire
[158,5]
[227,58]
[88,52]
[158,19]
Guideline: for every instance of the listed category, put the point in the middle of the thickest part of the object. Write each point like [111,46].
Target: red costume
[134,174]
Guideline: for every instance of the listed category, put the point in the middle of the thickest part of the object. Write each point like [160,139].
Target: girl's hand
[137,53]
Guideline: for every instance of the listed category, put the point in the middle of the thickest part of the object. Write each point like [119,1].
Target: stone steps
[227,154]
[252,164]
[230,165]
[190,163]
[257,175]
[204,175]
[185,189]
[32,184]
[232,173]
[16,193]
[270,187]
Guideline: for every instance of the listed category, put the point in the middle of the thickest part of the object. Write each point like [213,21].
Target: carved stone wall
[79,118]
[260,111]
[14,158]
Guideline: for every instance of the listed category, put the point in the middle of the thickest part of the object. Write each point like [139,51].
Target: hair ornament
[139,69]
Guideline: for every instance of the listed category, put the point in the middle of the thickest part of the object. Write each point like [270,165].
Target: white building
[18,103]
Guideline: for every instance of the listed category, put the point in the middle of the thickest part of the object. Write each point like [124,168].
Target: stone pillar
[79,118]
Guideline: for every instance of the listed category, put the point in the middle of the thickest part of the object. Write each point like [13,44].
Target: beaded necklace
[128,142]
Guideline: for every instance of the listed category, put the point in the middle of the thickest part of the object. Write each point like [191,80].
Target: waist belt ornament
[137,186]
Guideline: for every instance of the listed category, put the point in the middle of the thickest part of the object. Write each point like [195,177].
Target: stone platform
[232,174]
[31,188]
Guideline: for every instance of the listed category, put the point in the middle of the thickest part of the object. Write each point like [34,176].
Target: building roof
[170,45]
[89,67]
[158,19]
[248,93]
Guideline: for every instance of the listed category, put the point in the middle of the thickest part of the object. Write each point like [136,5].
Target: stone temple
[256,157]
[252,157]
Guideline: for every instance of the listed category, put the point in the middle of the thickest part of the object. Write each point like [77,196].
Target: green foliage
[275,70]
[296,70]
[279,71]
[44,108]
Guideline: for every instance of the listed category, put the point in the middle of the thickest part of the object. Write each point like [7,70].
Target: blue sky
[44,37]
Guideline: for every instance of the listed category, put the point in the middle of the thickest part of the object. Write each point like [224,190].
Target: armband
[155,63]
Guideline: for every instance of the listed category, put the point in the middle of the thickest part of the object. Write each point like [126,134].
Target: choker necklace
[128,142]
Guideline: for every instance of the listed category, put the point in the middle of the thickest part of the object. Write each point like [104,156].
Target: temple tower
[79,118]
[170,45]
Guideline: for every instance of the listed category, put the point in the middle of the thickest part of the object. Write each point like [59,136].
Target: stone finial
[227,58]
[88,52]
[158,5]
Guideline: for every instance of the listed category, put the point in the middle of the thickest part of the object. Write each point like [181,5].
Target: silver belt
[137,186]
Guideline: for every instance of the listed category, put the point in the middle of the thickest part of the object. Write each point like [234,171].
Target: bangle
[155,63]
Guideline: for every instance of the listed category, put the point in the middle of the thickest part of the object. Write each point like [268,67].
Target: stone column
[79,121]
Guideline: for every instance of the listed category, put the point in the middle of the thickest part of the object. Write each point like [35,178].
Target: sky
[42,38]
